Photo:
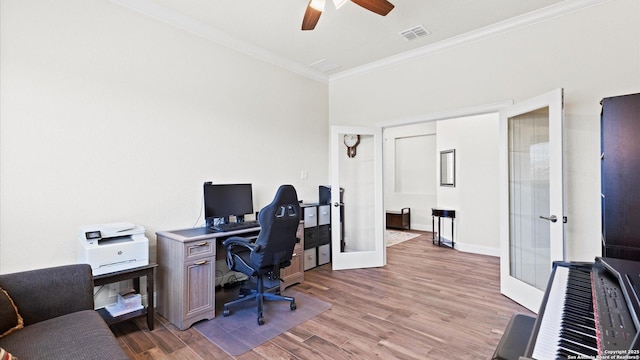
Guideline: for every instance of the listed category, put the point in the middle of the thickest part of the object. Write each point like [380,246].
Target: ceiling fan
[316,7]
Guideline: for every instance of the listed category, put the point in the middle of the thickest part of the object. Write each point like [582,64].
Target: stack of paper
[126,303]
[118,309]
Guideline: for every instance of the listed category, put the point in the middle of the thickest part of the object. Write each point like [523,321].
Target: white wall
[592,53]
[107,115]
[475,195]
[410,171]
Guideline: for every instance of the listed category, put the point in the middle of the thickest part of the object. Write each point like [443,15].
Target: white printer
[112,247]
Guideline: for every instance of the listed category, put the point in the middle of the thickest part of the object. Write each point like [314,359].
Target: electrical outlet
[113,290]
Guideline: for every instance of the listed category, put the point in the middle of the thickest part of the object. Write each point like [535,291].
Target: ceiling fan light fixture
[338,3]
[318,4]
[316,7]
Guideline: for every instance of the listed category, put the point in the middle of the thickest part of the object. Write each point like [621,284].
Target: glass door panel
[529,190]
[356,192]
[531,196]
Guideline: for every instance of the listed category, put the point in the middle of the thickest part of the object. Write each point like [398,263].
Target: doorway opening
[412,152]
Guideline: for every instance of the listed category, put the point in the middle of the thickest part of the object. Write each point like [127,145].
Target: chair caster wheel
[260,320]
[293,306]
[226,312]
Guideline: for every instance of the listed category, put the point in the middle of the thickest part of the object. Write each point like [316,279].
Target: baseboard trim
[478,249]
[461,246]
[421,227]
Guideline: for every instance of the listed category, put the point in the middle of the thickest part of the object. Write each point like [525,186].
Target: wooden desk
[187,268]
[128,274]
[186,273]
[442,213]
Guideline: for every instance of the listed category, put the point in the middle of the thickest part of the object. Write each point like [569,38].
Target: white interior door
[357,198]
[531,196]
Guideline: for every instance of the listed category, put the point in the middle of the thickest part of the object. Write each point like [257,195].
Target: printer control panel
[92,235]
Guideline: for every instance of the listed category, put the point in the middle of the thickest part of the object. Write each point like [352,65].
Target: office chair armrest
[242,242]
[238,241]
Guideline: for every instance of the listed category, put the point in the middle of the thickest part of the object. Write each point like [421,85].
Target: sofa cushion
[46,293]
[80,335]
[10,319]
[5,355]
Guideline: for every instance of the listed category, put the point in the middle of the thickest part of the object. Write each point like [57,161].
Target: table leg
[452,241]
[150,300]
[439,233]
[433,230]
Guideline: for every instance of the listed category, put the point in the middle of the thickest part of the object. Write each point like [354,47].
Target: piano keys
[589,311]
[569,328]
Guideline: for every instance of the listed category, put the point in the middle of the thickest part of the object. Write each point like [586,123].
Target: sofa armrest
[51,292]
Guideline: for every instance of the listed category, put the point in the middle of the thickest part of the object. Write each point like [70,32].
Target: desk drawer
[198,249]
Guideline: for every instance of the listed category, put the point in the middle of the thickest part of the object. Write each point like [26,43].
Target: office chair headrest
[284,205]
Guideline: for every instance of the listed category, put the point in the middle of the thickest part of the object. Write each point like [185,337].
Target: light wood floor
[426,303]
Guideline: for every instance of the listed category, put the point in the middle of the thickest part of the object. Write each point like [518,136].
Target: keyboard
[236,226]
[569,327]
[589,311]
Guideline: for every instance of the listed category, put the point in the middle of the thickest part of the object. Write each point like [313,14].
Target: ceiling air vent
[414,32]
[324,66]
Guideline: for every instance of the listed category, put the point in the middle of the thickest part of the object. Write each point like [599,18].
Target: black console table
[134,274]
[442,213]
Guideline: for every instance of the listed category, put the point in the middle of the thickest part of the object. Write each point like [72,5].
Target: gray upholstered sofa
[56,305]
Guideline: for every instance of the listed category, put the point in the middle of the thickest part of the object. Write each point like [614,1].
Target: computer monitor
[224,200]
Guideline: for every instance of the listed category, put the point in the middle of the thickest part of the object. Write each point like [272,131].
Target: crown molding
[168,16]
[171,17]
[517,22]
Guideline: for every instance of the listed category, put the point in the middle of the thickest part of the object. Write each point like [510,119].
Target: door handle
[551,218]
[336,204]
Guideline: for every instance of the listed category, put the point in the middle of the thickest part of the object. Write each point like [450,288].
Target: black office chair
[271,252]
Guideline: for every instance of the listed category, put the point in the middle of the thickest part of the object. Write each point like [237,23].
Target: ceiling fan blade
[380,7]
[311,17]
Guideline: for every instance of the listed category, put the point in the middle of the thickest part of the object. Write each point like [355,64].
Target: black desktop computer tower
[324,194]
[324,197]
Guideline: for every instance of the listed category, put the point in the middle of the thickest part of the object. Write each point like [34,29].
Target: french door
[531,196]
[357,231]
